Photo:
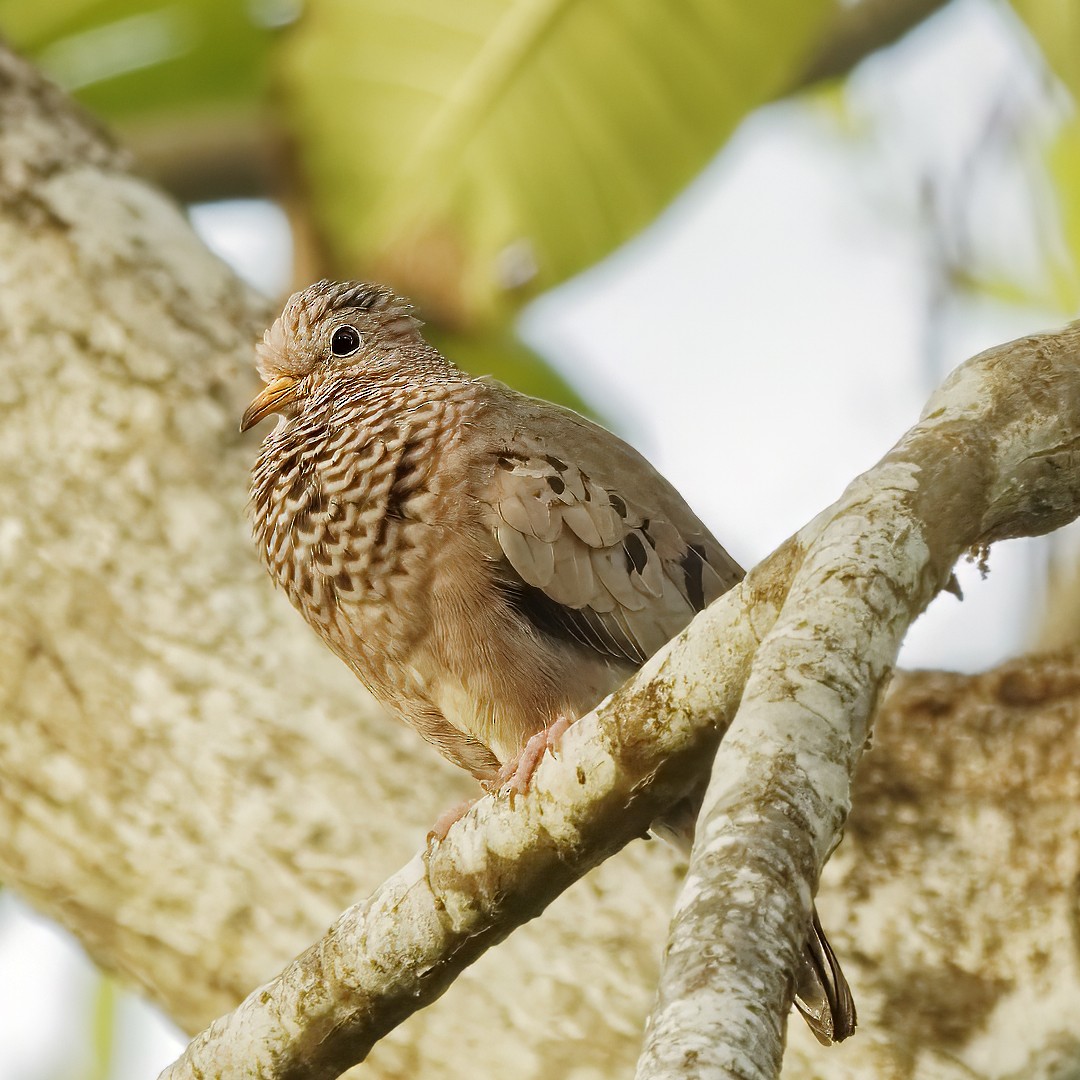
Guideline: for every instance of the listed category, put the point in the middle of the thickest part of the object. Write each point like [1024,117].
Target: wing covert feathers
[607,551]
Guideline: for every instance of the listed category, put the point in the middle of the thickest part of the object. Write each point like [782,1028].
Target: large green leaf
[140,59]
[474,152]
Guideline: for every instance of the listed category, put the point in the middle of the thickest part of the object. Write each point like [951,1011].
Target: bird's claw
[516,775]
[447,819]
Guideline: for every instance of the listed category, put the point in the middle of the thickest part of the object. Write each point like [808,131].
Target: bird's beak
[272,398]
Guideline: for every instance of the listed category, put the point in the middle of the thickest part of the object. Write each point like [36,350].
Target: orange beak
[272,398]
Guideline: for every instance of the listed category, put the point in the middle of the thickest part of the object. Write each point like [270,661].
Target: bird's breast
[349,519]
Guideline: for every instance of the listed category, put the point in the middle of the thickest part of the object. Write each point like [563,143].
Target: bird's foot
[516,775]
[448,818]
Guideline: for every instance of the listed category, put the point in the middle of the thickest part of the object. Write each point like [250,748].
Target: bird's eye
[345,341]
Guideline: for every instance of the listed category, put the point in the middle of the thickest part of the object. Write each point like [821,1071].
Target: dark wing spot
[556,464]
[620,506]
[509,461]
[556,484]
[583,627]
[693,563]
[636,555]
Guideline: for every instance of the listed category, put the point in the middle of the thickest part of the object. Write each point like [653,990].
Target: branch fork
[788,667]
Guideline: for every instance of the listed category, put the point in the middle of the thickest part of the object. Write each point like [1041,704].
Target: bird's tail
[822,994]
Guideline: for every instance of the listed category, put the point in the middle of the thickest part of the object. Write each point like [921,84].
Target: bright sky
[768,339]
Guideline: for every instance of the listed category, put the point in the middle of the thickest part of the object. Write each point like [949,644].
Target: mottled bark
[995,455]
[193,787]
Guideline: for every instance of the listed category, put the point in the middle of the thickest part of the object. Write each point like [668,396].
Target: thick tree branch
[502,864]
[996,455]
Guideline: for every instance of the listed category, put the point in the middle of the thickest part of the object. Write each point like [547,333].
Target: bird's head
[328,328]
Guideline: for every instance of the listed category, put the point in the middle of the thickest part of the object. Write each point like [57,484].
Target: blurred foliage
[471,153]
[498,352]
[1064,164]
[1055,26]
[131,60]
[501,354]
[103,1030]
[474,152]
[491,150]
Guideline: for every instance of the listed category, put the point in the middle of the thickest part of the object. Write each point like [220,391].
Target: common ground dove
[489,565]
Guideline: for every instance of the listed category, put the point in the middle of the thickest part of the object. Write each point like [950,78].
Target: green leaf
[476,152]
[1055,25]
[103,1029]
[1064,164]
[138,59]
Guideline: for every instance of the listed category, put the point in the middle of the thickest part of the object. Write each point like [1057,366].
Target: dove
[489,565]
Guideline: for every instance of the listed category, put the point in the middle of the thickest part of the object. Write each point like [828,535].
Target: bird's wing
[602,548]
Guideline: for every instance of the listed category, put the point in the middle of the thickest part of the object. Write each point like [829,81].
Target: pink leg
[448,818]
[514,777]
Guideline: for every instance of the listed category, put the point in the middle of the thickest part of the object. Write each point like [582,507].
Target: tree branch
[996,455]
[502,864]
